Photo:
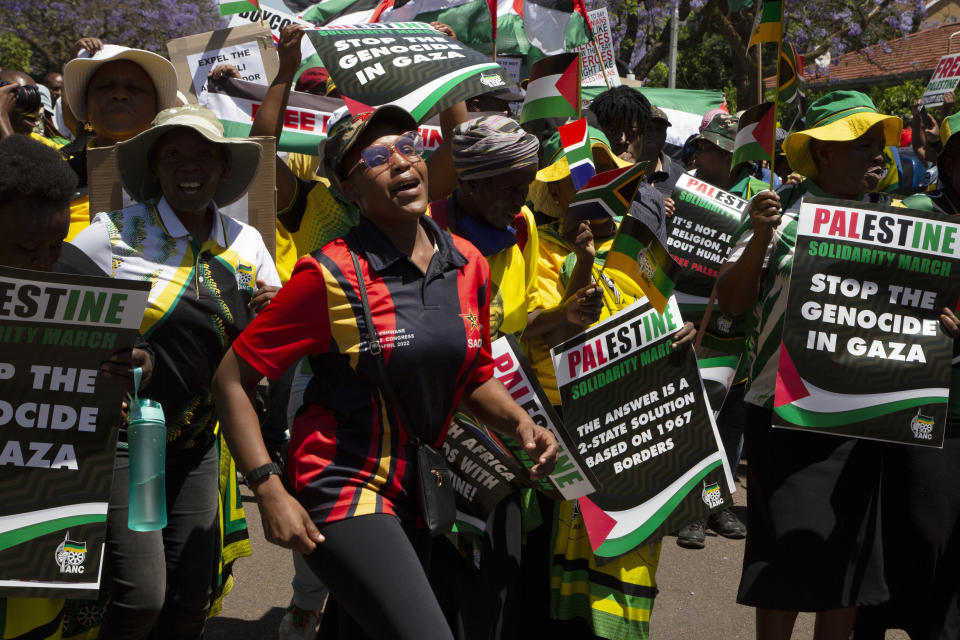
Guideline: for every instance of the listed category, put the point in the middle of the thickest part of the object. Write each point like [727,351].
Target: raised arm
[269,118]
[739,281]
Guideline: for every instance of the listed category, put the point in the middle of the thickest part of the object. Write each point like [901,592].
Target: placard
[863,352]
[593,66]
[249,47]
[638,414]
[699,234]
[943,81]
[59,417]
[409,64]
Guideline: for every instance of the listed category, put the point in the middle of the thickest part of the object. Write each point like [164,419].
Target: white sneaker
[299,624]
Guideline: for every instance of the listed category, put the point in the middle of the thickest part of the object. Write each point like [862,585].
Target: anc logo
[245,278]
[922,426]
[71,555]
[647,268]
[711,495]
[724,325]
[491,79]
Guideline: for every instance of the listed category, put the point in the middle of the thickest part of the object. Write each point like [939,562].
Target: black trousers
[375,571]
[160,582]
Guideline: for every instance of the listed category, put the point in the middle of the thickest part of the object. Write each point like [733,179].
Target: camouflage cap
[345,132]
[658,114]
[721,131]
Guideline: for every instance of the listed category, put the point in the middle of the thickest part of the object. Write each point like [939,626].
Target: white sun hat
[77,74]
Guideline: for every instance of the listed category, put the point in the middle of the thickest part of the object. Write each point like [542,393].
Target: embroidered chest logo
[474,329]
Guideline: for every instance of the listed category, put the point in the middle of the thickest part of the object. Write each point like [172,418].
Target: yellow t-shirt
[325,218]
[554,266]
[513,276]
[79,216]
[303,166]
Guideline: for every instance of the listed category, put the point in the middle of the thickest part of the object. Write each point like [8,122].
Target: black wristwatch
[261,473]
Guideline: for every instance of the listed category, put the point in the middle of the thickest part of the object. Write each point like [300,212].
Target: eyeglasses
[409,145]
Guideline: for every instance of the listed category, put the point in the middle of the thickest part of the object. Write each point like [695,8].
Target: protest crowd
[478,347]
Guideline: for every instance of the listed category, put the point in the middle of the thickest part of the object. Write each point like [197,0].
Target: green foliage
[657,76]
[14,53]
[707,65]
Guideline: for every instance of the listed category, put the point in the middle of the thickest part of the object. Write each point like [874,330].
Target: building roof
[913,56]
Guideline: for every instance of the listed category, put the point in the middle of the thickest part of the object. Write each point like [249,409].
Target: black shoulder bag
[435,485]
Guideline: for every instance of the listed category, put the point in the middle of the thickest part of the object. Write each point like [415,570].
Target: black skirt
[921,541]
[813,516]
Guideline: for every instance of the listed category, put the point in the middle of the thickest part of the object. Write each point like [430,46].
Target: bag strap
[376,350]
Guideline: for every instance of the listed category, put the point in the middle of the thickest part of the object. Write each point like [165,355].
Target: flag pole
[776,102]
[603,67]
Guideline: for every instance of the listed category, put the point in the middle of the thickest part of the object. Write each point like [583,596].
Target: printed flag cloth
[770,26]
[551,27]
[229,7]
[335,12]
[754,139]
[790,86]
[608,194]
[492,8]
[573,137]
[408,64]
[554,88]
[638,254]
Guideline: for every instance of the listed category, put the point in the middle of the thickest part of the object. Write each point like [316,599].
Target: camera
[27,98]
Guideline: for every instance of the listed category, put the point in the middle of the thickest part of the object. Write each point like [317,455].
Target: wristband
[261,473]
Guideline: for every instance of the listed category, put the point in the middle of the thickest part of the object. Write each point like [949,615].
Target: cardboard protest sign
[249,47]
[595,66]
[305,121]
[275,15]
[405,63]
[863,351]
[258,207]
[639,416]
[487,467]
[699,233]
[943,81]
[59,418]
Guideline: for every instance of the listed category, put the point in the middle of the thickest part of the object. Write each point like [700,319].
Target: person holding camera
[20,106]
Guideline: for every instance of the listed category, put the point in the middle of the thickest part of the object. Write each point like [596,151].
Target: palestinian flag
[770,26]
[229,7]
[554,89]
[639,255]
[573,137]
[235,103]
[608,194]
[552,26]
[755,137]
[335,12]
[790,86]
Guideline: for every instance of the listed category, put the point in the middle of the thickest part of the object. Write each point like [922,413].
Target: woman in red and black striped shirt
[351,461]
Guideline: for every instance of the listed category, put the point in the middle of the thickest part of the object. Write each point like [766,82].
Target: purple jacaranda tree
[641,30]
[51,28]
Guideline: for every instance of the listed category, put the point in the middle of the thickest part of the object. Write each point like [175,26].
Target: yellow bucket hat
[839,116]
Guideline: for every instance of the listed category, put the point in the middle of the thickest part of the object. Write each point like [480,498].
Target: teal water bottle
[147,438]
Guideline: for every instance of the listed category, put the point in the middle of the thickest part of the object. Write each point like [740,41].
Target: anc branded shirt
[196,307]
[513,271]
[554,268]
[350,455]
[765,332]
[316,216]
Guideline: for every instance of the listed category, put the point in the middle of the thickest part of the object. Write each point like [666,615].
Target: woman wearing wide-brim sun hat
[117,92]
[210,274]
[813,541]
